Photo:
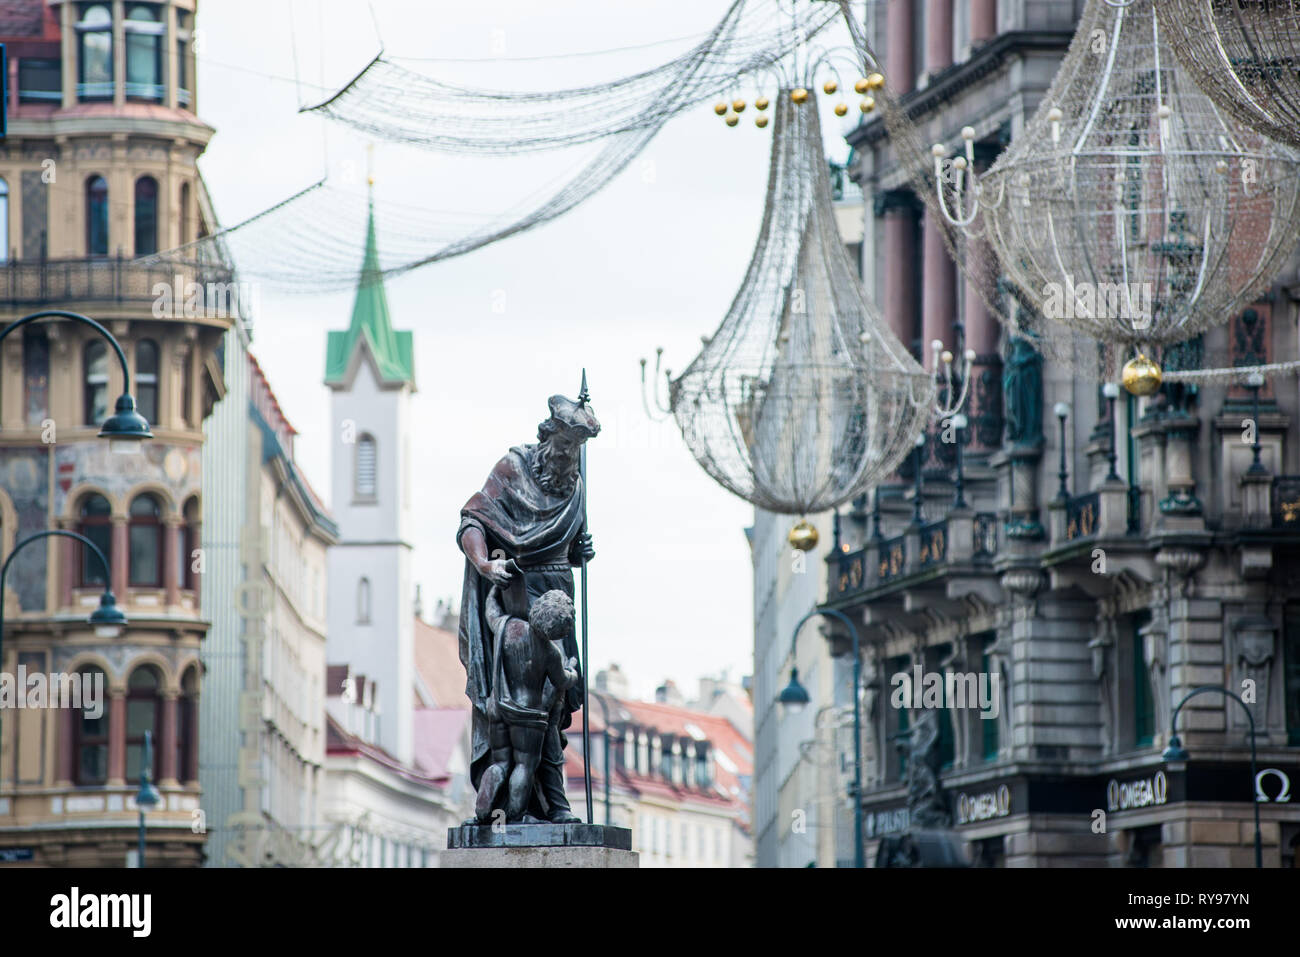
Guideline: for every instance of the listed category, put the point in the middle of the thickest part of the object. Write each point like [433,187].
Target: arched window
[363,602]
[187,728]
[94,393]
[146,216]
[4,221]
[144,46]
[90,738]
[143,710]
[146,379]
[185,213]
[145,539]
[95,53]
[183,36]
[97,216]
[36,374]
[95,522]
[366,466]
[189,543]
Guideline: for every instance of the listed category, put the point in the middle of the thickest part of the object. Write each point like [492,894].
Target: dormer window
[95,52]
[144,46]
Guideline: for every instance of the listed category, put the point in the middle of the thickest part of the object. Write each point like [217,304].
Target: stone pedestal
[539,845]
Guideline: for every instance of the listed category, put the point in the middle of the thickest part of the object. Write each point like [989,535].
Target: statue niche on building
[929,840]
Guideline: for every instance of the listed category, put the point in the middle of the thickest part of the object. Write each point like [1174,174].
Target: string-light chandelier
[802,399]
[1245,54]
[1131,210]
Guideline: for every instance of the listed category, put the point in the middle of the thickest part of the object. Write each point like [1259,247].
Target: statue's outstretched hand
[499,572]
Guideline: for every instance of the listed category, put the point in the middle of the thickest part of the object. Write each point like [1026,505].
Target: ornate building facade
[98,170]
[1102,566]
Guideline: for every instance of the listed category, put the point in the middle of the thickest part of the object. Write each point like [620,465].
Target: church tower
[371,374]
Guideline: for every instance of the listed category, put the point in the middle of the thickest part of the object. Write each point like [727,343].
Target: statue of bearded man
[528,516]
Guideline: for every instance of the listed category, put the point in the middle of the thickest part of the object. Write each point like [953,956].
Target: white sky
[654,259]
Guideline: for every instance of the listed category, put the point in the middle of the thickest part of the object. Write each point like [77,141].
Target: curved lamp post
[126,427]
[107,620]
[1176,751]
[795,698]
[147,798]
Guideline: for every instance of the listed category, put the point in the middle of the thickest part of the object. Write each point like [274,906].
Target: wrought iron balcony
[1082,516]
[52,282]
[934,544]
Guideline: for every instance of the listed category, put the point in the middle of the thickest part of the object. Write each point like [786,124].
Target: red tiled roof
[341,742]
[25,18]
[437,660]
[437,732]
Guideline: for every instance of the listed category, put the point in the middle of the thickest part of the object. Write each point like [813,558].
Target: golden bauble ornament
[720,108]
[829,87]
[804,536]
[841,109]
[861,86]
[761,103]
[1141,376]
[738,106]
[868,104]
[800,95]
[760,121]
[732,119]
[875,81]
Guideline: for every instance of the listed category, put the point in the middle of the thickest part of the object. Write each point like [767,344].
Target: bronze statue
[521,536]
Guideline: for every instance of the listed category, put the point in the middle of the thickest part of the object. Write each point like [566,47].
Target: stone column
[119,53]
[68,570]
[938,36]
[170,559]
[119,558]
[167,769]
[982,335]
[899,65]
[939,295]
[983,21]
[117,735]
[897,208]
[190,773]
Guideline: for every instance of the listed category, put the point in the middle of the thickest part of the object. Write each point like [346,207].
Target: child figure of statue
[529,678]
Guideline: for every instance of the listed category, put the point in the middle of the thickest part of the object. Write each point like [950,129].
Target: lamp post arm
[75,317]
[48,533]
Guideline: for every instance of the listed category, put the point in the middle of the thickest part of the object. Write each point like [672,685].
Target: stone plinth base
[539,845]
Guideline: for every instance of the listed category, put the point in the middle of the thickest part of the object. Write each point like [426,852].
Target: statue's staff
[583,396]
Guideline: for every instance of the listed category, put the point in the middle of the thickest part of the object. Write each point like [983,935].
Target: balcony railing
[1286,501]
[892,558]
[934,544]
[53,281]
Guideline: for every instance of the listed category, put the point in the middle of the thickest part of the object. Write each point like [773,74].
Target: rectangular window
[144,565]
[1144,713]
[899,723]
[92,759]
[40,81]
[95,52]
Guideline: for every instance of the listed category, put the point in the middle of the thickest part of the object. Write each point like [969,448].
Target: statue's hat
[574,417]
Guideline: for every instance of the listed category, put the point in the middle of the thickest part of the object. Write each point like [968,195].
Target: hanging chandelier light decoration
[1131,210]
[802,398]
[1245,54]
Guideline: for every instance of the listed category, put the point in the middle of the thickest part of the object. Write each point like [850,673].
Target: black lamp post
[1062,411]
[126,427]
[917,479]
[1254,382]
[147,797]
[107,620]
[1111,391]
[1176,751]
[959,423]
[795,698]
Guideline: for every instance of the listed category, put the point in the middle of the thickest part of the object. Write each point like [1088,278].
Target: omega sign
[1141,793]
[981,807]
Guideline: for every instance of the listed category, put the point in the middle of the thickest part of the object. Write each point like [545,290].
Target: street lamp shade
[1110,390]
[147,797]
[108,620]
[1062,410]
[794,697]
[126,427]
[1175,752]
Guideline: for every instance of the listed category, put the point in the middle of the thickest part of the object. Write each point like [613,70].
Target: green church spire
[392,351]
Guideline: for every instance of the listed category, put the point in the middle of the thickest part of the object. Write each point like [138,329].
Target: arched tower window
[95,53]
[95,522]
[363,602]
[146,379]
[144,534]
[366,478]
[189,542]
[143,710]
[90,739]
[96,216]
[94,382]
[146,216]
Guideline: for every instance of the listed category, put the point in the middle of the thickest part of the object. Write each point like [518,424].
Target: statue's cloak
[534,527]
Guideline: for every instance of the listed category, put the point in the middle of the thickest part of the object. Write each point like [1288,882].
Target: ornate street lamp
[794,698]
[1111,391]
[1254,382]
[126,427]
[108,620]
[1062,411]
[1175,752]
